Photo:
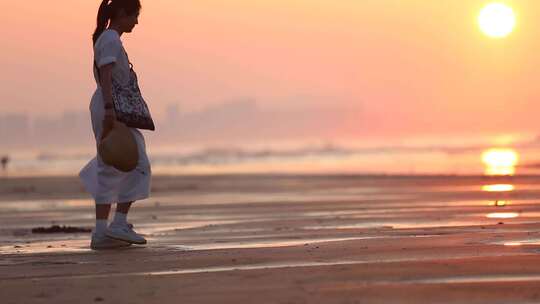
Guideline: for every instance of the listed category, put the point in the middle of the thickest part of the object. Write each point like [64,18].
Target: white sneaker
[103,242]
[126,234]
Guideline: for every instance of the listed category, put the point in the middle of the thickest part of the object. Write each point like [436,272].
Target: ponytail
[102,20]
[108,11]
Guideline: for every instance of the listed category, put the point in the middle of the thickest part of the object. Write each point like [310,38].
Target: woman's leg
[102,211]
[120,216]
[102,215]
[123,207]
[99,237]
[119,228]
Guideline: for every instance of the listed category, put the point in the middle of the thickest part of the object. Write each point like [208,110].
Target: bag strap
[129,61]
[99,74]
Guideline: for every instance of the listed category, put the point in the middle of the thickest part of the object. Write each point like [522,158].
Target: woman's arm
[105,76]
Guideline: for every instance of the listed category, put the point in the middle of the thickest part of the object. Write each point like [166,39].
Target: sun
[500,161]
[497,20]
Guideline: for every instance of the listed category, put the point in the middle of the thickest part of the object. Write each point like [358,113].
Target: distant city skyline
[243,121]
[232,121]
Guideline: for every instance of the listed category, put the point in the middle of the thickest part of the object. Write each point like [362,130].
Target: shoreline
[64,187]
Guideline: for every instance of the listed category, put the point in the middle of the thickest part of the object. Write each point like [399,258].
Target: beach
[299,152]
[281,239]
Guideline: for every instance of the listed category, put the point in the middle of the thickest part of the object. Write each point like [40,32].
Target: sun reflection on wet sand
[502,215]
[63,246]
[500,161]
[500,203]
[498,188]
[519,242]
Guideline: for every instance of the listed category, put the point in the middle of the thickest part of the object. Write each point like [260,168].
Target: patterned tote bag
[129,105]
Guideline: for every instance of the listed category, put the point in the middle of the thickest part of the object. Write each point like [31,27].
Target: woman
[107,184]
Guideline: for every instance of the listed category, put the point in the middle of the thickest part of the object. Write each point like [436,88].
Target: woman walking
[107,184]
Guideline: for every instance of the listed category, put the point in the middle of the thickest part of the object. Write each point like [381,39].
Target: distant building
[14,128]
[69,128]
[46,129]
[173,115]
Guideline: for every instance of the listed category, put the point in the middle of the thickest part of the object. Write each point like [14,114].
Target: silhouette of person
[5,161]
[106,184]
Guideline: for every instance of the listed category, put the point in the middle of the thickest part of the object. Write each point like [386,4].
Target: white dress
[106,184]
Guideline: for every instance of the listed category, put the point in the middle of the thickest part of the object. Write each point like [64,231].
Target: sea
[488,155]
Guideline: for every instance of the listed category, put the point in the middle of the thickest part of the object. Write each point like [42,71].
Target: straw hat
[119,148]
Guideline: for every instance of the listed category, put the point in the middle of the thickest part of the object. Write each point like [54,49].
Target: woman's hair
[108,11]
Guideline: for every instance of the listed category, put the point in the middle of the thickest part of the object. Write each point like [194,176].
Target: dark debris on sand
[61,229]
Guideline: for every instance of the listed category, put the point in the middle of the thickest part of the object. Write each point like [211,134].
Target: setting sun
[497,20]
[500,161]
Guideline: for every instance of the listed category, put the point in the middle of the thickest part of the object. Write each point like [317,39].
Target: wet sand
[281,239]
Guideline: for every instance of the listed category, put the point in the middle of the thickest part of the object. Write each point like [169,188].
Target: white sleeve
[109,52]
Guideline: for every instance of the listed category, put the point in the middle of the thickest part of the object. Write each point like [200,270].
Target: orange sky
[424,62]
